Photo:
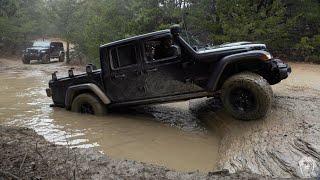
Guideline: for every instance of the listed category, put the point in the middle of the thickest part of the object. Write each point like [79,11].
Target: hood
[38,48]
[237,46]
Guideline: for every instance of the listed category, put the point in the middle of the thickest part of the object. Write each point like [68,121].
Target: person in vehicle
[165,49]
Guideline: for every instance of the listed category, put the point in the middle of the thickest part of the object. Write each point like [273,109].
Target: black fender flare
[221,65]
[72,91]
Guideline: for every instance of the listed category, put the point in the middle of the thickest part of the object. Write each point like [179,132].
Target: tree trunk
[68,52]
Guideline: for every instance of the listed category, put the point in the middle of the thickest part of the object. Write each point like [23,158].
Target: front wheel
[25,60]
[61,57]
[88,104]
[45,59]
[247,96]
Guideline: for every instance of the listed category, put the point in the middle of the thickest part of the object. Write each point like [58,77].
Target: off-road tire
[61,57]
[25,60]
[45,59]
[98,108]
[260,90]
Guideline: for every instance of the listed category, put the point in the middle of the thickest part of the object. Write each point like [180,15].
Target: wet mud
[286,143]
[186,136]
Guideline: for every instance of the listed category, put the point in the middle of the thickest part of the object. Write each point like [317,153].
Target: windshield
[41,44]
[192,40]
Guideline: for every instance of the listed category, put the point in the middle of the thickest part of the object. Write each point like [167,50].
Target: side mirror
[177,50]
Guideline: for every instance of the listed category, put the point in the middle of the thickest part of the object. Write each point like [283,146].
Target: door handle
[138,73]
[119,76]
[152,70]
[143,88]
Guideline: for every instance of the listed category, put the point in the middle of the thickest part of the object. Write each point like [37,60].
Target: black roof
[119,42]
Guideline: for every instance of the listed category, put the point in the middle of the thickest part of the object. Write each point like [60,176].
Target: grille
[33,51]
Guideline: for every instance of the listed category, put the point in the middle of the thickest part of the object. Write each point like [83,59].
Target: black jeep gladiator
[43,51]
[162,67]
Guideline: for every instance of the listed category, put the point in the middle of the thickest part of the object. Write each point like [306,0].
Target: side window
[160,49]
[124,56]
[57,46]
[60,46]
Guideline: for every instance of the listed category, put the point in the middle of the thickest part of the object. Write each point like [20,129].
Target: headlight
[266,56]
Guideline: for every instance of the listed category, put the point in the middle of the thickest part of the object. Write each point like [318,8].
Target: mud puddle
[136,136]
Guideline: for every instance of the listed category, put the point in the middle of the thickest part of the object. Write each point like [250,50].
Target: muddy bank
[26,155]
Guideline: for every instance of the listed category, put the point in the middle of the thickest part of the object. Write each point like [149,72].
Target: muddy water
[139,136]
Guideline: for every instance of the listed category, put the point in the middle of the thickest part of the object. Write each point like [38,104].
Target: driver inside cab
[165,49]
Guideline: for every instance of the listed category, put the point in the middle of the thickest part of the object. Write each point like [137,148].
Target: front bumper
[277,71]
[33,56]
[282,69]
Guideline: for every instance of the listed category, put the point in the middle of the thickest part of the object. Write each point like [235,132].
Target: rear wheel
[247,96]
[88,104]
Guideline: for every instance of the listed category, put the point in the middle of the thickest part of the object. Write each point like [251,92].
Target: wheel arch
[253,61]
[74,91]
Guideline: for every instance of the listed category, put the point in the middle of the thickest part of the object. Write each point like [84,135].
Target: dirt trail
[187,136]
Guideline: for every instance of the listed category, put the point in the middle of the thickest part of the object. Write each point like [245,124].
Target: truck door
[163,71]
[124,81]
[55,49]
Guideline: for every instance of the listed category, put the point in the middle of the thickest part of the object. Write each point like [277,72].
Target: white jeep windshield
[41,44]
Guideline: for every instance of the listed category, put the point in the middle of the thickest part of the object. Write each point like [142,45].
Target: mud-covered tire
[61,57]
[88,104]
[247,96]
[25,60]
[45,59]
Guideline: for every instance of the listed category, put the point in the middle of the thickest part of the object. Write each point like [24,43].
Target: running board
[175,98]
